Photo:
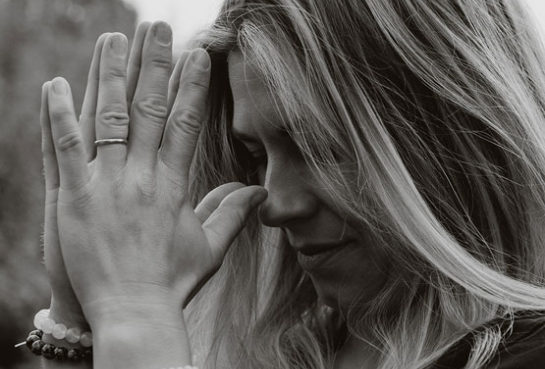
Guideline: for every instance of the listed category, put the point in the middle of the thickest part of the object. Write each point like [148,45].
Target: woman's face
[343,263]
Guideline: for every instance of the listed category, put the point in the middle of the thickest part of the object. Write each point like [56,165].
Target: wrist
[126,311]
[141,336]
[69,315]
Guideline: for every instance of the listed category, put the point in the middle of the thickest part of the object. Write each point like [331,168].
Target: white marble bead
[59,331]
[39,318]
[47,325]
[73,335]
[86,339]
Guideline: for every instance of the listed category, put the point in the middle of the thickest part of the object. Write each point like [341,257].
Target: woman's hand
[64,304]
[128,234]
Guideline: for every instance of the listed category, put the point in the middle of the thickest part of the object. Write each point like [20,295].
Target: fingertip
[161,26]
[180,64]
[143,26]
[100,41]
[200,59]
[118,42]
[102,36]
[120,35]
[45,93]
[259,195]
[44,109]
[59,86]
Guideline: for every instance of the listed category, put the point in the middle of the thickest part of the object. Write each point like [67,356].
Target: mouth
[312,256]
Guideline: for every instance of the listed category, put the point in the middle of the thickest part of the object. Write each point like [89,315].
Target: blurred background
[40,39]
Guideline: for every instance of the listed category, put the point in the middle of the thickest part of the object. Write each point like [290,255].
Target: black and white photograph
[272,184]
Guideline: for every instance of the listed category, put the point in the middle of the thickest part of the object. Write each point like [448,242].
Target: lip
[312,256]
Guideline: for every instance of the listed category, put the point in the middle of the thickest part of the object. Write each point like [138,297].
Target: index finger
[184,122]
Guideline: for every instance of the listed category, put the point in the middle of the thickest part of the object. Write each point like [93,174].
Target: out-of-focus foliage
[39,39]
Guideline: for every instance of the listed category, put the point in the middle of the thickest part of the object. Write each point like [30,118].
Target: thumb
[225,223]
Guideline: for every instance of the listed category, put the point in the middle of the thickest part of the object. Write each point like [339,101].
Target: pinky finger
[48,150]
[67,138]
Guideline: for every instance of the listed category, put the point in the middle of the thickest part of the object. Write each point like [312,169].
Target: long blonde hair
[436,110]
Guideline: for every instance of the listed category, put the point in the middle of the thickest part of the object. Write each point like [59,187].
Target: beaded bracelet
[49,351]
[43,322]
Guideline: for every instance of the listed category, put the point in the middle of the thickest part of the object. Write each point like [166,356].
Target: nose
[291,196]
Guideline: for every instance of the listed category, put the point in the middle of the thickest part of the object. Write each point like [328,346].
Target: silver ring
[109,141]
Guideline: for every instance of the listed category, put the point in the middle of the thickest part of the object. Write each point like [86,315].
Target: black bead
[37,332]
[48,351]
[61,353]
[74,354]
[88,354]
[31,339]
[37,347]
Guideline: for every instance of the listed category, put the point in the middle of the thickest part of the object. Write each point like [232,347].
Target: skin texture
[121,237]
[297,202]
[123,247]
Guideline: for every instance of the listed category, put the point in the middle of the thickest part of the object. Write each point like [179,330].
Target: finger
[67,139]
[135,59]
[174,82]
[52,255]
[184,123]
[149,107]
[89,106]
[225,223]
[48,149]
[112,117]
[212,200]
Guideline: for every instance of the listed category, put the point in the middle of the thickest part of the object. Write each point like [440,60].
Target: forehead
[252,101]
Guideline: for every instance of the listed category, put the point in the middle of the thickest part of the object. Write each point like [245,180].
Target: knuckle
[68,141]
[79,197]
[187,121]
[152,107]
[159,61]
[114,73]
[146,190]
[113,116]
[195,84]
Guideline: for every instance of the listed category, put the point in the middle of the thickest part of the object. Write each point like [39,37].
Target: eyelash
[258,158]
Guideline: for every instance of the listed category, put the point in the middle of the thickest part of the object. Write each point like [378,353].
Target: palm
[124,219]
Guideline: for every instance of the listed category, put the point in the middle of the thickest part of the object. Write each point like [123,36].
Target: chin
[335,296]
[342,293]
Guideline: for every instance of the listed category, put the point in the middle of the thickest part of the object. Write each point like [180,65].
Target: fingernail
[59,86]
[118,44]
[162,33]
[199,58]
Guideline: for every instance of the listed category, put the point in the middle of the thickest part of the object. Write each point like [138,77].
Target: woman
[402,148]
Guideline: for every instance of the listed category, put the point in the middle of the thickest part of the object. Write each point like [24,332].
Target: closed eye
[251,157]
[259,158]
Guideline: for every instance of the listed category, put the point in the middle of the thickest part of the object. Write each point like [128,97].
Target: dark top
[522,348]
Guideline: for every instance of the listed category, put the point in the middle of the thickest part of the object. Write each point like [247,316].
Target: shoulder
[523,345]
